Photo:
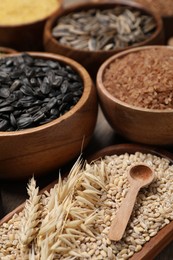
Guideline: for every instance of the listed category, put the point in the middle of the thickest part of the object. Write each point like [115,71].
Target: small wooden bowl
[147,126]
[157,243]
[92,60]
[45,148]
[25,37]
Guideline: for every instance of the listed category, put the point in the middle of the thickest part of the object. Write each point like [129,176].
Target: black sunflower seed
[45,87]
[67,97]
[4,92]
[3,125]
[64,86]
[13,120]
[51,103]
[33,110]
[6,109]
[53,64]
[38,116]
[24,122]
[15,85]
[33,82]
[26,90]
[4,76]
[58,81]
[55,112]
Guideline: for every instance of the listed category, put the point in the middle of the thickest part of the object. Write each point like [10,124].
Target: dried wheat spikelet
[31,218]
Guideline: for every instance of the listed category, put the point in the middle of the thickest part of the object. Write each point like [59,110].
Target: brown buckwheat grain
[143,78]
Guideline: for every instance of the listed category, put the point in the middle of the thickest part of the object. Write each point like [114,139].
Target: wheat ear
[31,217]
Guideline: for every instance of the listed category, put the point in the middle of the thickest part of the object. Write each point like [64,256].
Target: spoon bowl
[141,173]
[138,176]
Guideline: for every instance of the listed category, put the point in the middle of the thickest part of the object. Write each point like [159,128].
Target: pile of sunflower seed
[108,29]
[35,91]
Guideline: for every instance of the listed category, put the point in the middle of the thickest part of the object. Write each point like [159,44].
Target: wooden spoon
[138,176]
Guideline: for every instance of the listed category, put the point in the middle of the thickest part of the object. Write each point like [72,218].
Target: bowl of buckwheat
[48,111]
[92,32]
[135,93]
[22,22]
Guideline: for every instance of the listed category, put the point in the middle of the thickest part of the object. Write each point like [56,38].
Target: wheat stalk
[31,217]
[57,209]
[82,214]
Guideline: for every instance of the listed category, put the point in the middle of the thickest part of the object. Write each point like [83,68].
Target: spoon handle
[121,219]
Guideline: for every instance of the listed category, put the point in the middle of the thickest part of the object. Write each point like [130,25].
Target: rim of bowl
[77,7]
[100,86]
[6,50]
[5,26]
[87,84]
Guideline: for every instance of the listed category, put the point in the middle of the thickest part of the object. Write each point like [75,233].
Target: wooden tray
[156,244]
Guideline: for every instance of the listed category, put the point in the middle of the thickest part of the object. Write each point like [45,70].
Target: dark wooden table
[13,192]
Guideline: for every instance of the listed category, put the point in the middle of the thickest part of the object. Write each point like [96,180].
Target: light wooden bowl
[92,60]
[157,243]
[45,148]
[147,126]
[25,37]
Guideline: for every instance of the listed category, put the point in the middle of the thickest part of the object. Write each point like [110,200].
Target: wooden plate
[156,244]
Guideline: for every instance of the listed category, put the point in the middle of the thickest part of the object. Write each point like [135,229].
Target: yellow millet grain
[14,12]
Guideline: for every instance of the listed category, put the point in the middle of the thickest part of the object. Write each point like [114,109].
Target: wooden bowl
[91,60]
[25,37]
[45,148]
[147,126]
[157,243]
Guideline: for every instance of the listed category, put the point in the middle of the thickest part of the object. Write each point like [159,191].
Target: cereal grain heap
[107,30]
[143,78]
[72,221]
[25,11]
